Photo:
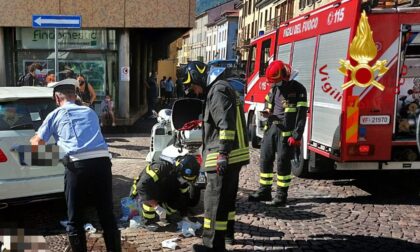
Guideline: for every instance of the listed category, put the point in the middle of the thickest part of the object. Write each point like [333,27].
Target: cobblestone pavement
[322,215]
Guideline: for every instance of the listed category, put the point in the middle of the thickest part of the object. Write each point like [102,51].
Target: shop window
[88,52]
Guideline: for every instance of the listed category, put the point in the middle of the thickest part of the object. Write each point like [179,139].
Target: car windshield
[24,114]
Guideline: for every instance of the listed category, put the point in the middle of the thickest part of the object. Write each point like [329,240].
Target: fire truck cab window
[265,56]
[251,60]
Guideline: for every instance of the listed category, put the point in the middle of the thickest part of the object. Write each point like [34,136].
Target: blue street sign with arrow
[56,21]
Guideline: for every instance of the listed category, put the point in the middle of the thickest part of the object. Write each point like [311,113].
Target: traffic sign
[56,21]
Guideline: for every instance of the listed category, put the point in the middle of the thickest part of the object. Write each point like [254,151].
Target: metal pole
[56,55]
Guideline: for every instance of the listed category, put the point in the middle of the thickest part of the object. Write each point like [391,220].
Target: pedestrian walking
[87,164]
[169,89]
[225,151]
[163,188]
[286,107]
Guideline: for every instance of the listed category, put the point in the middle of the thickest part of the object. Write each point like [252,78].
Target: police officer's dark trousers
[90,176]
[219,207]
[275,141]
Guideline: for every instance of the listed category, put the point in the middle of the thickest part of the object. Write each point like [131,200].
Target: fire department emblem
[363,50]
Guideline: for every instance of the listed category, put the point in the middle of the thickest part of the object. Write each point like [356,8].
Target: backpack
[21,80]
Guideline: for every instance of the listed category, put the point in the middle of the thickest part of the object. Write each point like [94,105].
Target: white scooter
[170,139]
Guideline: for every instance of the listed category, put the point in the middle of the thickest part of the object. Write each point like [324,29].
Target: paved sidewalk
[322,215]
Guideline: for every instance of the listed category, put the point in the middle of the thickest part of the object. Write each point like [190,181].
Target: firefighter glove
[222,163]
[293,142]
[161,212]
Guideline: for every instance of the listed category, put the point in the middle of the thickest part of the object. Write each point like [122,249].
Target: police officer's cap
[64,85]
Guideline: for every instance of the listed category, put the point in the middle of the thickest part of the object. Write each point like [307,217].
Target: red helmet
[273,72]
[277,71]
[287,70]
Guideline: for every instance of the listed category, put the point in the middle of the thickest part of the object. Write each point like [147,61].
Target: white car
[22,111]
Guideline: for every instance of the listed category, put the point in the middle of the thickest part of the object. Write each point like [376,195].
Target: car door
[19,120]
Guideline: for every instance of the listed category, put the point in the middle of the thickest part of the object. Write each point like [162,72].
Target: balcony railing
[273,24]
[243,39]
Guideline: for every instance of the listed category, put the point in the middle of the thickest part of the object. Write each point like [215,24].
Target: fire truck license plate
[375,120]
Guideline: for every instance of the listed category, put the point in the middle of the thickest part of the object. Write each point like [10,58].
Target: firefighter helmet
[188,167]
[215,74]
[277,71]
[195,72]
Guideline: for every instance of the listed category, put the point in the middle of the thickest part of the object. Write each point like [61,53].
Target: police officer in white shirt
[87,161]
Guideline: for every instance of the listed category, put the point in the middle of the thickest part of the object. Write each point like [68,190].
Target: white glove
[161,212]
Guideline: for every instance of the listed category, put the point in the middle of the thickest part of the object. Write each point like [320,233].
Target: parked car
[22,111]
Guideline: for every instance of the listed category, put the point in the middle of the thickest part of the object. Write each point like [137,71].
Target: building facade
[227,36]
[303,6]
[118,45]
[198,38]
[257,17]
[206,41]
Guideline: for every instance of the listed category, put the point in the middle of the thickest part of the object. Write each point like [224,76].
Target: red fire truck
[362,75]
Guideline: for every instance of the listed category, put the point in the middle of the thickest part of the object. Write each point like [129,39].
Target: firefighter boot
[230,238]
[281,197]
[262,194]
[113,241]
[202,248]
[78,243]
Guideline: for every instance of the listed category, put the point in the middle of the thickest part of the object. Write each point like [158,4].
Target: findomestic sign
[66,38]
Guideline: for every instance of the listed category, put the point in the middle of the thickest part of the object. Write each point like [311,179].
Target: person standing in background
[30,78]
[50,77]
[179,88]
[151,93]
[107,110]
[86,91]
[169,89]
[162,84]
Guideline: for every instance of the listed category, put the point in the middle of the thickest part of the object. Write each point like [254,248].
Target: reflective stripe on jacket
[158,181]
[224,127]
[294,106]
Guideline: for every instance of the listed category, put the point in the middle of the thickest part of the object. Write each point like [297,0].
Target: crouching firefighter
[163,187]
[285,108]
[225,151]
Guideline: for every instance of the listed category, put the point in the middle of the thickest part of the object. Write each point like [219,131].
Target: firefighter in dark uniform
[286,108]
[163,187]
[225,151]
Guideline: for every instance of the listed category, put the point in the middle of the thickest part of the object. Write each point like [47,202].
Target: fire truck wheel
[299,164]
[252,129]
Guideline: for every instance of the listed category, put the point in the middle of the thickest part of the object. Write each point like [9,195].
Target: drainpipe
[124,83]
